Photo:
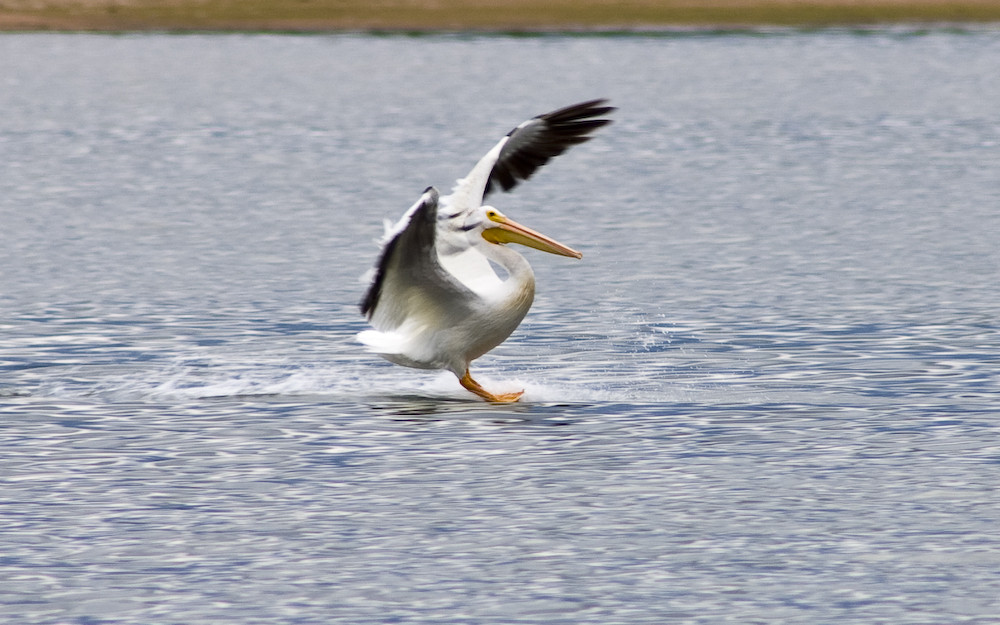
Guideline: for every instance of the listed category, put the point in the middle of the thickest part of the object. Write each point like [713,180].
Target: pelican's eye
[494,215]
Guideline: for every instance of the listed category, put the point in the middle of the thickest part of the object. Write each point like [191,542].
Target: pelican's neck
[520,279]
[510,298]
[505,288]
[494,272]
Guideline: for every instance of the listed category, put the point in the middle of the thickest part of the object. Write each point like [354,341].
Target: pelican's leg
[473,386]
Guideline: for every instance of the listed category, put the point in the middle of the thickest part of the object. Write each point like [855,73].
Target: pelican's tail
[382,342]
[398,347]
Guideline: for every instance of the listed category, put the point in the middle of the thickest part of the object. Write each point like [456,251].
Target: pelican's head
[498,229]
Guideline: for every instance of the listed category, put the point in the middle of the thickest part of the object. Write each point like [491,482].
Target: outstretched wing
[535,142]
[409,281]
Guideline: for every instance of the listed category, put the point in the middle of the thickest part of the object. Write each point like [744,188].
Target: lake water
[769,393]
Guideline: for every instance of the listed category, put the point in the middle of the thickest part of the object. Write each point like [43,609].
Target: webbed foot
[502,398]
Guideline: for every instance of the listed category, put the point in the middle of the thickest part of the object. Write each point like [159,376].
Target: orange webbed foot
[474,387]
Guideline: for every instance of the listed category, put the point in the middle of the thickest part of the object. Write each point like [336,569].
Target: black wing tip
[581,110]
[370,301]
[555,132]
[574,123]
[367,305]
[564,128]
[374,292]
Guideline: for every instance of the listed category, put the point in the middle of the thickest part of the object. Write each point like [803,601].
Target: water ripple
[767,394]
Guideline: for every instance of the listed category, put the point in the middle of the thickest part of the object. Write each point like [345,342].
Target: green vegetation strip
[508,15]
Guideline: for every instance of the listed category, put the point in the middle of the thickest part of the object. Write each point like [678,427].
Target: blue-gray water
[768,393]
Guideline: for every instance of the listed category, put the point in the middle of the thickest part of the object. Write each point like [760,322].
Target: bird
[446,289]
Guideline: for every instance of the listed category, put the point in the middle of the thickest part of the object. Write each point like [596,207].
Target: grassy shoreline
[477,15]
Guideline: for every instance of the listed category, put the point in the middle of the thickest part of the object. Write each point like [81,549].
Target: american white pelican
[446,290]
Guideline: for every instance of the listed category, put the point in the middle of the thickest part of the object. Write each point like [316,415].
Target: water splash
[352,382]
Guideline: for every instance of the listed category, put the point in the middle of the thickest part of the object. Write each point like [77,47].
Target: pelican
[446,289]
